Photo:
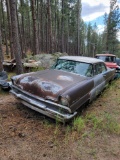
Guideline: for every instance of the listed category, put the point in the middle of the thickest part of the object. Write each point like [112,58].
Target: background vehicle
[118,61]
[110,61]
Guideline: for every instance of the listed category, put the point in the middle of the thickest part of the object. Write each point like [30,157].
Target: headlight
[64,101]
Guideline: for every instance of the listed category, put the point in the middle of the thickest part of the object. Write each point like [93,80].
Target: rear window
[107,58]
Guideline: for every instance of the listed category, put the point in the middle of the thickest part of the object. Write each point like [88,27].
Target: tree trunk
[50,46]
[35,38]
[22,29]
[28,29]
[16,44]
[47,37]
[1,54]
[62,28]
[78,27]
[10,29]
[55,28]
[42,27]
[39,24]
[4,29]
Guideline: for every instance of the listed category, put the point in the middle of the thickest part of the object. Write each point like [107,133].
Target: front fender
[79,94]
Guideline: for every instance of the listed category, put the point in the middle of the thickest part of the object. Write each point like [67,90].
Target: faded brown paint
[48,84]
[78,91]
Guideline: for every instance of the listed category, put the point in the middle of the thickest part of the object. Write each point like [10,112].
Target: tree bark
[28,29]
[1,54]
[4,29]
[50,46]
[55,30]
[16,44]
[62,28]
[22,29]
[10,29]
[35,38]
[38,19]
[78,27]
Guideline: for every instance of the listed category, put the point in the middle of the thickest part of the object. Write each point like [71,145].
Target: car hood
[48,84]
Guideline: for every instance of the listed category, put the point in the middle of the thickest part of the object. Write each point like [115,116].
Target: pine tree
[16,44]
[112,27]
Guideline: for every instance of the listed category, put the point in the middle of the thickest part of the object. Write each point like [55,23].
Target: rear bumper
[48,108]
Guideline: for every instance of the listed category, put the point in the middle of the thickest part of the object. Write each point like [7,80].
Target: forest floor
[94,134]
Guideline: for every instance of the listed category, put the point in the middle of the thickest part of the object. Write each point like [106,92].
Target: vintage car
[118,61]
[59,91]
[110,61]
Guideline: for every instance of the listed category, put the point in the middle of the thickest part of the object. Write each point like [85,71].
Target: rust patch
[49,86]
[27,79]
[65,78]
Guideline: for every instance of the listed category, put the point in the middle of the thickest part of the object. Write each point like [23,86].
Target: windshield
[107,58]
[81,68]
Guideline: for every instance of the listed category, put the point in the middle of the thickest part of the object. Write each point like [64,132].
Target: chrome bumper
[47,108]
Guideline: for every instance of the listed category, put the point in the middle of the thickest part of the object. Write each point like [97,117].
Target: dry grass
[94,134]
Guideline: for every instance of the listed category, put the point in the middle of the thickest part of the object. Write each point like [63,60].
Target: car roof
[107,54]
[82,59]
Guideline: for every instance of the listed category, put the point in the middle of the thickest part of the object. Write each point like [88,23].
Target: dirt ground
[28,135]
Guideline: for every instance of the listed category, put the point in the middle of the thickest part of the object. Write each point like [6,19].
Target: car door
[100,75]
[106,73]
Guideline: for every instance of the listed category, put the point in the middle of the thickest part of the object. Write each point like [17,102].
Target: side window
[99,68]
[103,67]
[89,71]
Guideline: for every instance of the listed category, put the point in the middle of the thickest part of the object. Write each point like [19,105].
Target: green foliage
[40,68]
[112,22]
[67,27]
[104,122]
[78,124]
[96,121]
[11,74]
[110,124]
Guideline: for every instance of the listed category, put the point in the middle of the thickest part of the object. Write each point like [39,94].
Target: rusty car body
[59,91]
